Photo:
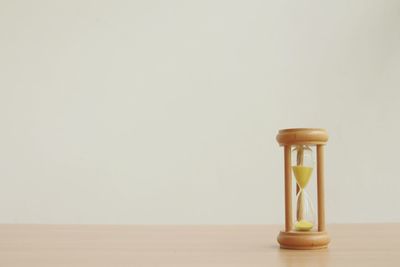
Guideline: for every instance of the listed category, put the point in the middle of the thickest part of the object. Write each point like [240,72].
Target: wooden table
[243,245]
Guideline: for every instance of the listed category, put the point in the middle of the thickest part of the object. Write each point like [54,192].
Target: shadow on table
[306,258]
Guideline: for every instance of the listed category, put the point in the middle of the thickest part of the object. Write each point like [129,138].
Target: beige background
[167,111]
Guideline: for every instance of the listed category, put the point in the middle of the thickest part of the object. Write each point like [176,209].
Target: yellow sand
[302,175]
[303,225]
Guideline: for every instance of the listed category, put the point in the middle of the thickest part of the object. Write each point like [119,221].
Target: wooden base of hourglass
[303,240]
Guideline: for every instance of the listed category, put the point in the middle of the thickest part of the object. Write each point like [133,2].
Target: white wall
[167,111]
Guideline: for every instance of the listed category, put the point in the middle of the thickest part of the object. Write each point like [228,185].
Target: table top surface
[191,245]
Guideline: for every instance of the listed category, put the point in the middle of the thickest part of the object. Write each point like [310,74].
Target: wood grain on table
[181,245]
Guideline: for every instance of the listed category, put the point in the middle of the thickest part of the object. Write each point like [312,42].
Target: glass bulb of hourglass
[302,170]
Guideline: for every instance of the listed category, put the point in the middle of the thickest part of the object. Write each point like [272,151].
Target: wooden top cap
[302,136]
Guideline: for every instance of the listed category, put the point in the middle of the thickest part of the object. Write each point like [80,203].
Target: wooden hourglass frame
[291,238]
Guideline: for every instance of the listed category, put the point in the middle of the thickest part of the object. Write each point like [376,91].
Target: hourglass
[299,145]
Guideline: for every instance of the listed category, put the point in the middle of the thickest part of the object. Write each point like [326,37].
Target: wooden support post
[320,188]
[288,189]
